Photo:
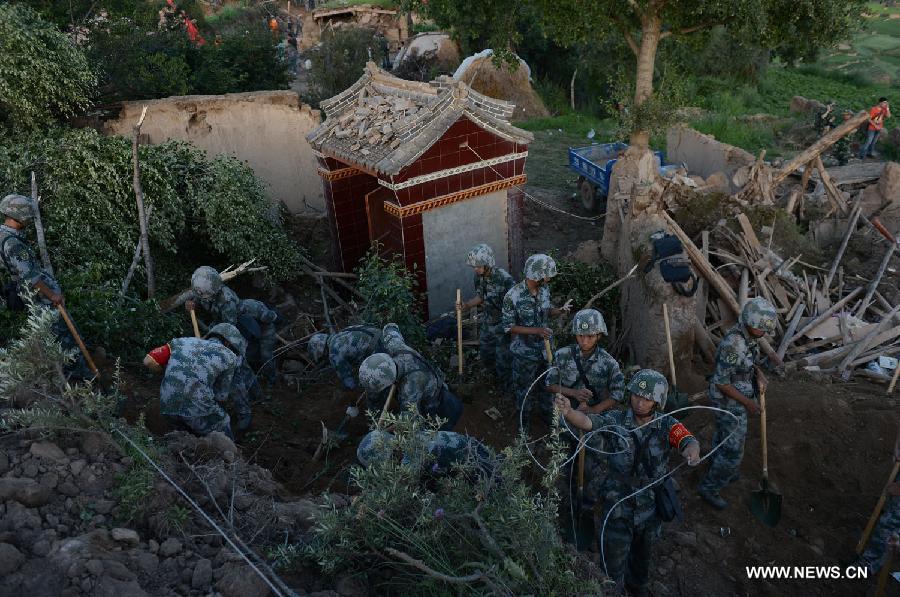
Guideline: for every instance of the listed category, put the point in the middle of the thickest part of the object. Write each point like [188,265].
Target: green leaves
[43,75]
[389,295]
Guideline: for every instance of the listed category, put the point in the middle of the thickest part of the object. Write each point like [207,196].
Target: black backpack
[674,265]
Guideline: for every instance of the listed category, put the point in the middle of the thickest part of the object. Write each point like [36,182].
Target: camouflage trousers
[888,526]
[494,351]
[725,463]
[205,424]
[244,389]
[595,471]
[627,550]
[524,373]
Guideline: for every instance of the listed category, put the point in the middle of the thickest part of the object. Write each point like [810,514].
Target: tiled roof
[384,123]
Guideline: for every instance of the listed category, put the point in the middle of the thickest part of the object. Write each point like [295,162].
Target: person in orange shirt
[876,124]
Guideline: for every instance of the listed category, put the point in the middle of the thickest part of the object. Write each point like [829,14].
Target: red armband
[161,355]
[677,433]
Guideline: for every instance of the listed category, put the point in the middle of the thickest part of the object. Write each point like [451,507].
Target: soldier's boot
[713,499]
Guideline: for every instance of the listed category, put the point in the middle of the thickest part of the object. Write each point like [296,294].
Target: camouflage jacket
[225,307]
[601,370]
[20,262]
[625,475]
[348,348]
[523,309]
[736,356]
[198,375]
[418,381]
[444,449]
[491,289]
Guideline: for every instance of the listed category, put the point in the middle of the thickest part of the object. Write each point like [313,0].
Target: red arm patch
[161,355]
[677,433]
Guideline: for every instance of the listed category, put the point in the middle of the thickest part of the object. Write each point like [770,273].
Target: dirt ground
[829,453]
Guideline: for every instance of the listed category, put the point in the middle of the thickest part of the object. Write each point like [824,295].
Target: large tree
[794,29]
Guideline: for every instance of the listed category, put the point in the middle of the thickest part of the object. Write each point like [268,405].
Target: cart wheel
[588,195]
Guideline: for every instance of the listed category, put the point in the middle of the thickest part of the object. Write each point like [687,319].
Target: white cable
[196,507]
[538,201]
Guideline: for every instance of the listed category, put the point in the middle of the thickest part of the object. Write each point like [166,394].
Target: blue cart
[594,165]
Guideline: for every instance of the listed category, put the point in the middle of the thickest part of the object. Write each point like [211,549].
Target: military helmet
[588,322]
[377,372]
[230,334]
[481,255]
[206,281]
[540,266]
[651,385]
[18,207]
[760,314]
[375,446]
[316,346]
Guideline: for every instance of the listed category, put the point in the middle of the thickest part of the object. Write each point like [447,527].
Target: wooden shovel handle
[870,526]
[74,332]
[195,324]
[548,350]
[762,432]
[387,403]
[669,344]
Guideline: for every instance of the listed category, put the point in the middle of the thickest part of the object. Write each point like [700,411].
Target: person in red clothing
[876,124]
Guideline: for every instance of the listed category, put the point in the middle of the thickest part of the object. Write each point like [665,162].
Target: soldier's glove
[692,454]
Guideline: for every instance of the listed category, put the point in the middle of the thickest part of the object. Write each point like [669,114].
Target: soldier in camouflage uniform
[445,448]
[253,318]
[198,378]
[491,285]
[526,310]
[418,382]
[732,388]
[825,119]
[633,526]
[26,273]
[886,531]
[592,380]
[346,350]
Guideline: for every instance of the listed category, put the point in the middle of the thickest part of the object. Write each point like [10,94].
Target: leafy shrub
[389,292]
[488,524]
[204,210]
[340,59]
[43,75]
[126,328]
[580,282]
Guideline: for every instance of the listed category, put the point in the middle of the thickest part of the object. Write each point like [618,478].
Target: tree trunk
[651,30]
[142,216]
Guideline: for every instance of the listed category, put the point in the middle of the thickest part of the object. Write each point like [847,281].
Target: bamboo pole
[669,344]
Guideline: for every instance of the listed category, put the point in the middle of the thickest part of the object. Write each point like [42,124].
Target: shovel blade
[766,505]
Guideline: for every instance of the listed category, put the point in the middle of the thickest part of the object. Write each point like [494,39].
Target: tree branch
[627,35]
[686,30]
[422,566]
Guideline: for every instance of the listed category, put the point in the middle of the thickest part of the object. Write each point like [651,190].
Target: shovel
[765,503]
[81,346]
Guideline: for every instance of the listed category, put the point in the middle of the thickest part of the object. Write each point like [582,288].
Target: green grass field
[873,54]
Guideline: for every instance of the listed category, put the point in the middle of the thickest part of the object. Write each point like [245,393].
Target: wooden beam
[816,149]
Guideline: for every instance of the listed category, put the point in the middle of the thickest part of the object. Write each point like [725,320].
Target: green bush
[43,75]
[389,296]
[339,61]
[458,524]
[205,210]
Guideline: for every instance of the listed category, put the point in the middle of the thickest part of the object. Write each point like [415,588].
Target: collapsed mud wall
[266,129]
[705,156]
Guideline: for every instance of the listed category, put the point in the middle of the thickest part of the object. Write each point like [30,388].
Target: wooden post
[669,344]
[851,227]
[459,335]
[139,196]
[39,226]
